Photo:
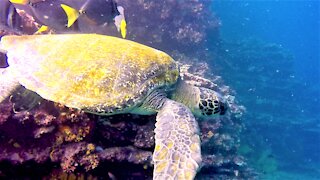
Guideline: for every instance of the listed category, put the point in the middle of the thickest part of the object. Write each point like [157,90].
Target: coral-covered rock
[32,135]
[170,25]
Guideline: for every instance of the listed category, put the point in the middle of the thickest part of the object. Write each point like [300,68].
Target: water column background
[270,55]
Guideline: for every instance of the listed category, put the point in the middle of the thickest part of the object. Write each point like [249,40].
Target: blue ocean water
[293,24]
[283,109]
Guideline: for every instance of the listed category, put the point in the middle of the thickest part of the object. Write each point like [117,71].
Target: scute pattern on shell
[97,73]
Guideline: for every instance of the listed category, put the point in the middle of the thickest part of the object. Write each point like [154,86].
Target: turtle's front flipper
[177,153]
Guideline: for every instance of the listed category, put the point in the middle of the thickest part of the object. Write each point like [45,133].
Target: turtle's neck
[186,94]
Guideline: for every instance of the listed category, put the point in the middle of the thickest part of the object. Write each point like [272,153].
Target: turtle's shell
[97,73]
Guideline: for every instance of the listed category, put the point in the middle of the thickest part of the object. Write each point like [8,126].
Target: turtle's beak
[223,108]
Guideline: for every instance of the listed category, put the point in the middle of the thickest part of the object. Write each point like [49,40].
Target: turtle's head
[210,104]
[203,102]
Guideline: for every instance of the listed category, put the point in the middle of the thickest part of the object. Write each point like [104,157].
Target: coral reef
[171,25]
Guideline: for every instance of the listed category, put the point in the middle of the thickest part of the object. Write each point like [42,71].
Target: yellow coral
[90,148]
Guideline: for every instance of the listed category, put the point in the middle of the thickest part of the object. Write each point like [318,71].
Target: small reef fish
[9,18]
[62,15]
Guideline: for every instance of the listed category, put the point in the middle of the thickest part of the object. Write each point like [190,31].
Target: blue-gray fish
[63,14]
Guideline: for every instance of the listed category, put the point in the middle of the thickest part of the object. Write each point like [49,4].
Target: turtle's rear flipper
[22,98]
[177,153]
[8,84]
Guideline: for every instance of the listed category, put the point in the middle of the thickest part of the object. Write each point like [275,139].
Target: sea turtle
[107,75]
